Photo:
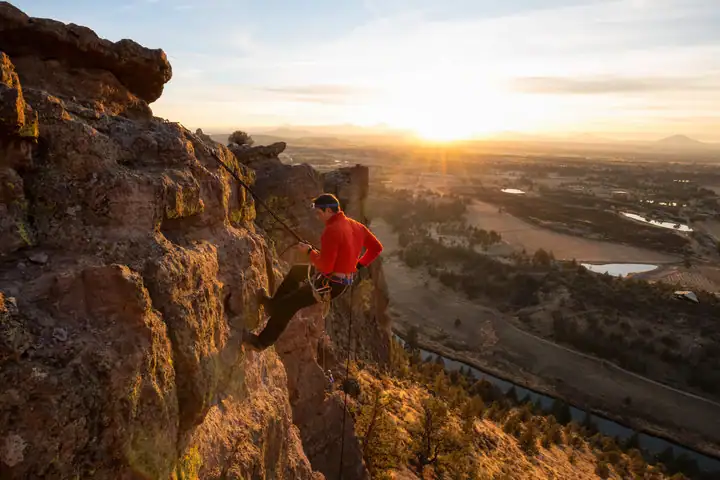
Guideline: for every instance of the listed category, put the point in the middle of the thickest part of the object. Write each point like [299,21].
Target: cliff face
[128,266]
[314,348]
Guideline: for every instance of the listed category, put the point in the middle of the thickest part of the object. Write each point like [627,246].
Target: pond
[671,225]
[619,269]
[650,445]
[513,190]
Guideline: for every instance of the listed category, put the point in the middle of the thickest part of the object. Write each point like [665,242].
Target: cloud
[319,93]
[614,59]
[611,85]
[318,90]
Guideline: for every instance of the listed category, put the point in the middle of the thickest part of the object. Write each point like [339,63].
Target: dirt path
[486,337]
[521,234]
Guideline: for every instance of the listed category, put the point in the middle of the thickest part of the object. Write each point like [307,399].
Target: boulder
[72,62]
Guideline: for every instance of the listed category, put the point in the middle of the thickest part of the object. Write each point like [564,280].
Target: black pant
[291,296]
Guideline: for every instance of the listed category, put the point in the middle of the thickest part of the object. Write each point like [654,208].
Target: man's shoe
[252,341]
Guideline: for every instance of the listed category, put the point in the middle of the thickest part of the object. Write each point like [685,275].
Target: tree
[632,442]
[542,258]
[430,436]
[241,138]
[413,339]
[561,411]
[602,470]
[380,448]
[588,423]
[512,395]
[528,440]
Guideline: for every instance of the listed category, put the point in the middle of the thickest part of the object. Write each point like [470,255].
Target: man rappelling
[337,262]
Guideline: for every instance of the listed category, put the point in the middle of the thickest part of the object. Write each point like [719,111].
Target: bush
[602,470]
[241,138]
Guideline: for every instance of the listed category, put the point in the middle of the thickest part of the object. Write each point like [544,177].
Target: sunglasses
[323,205]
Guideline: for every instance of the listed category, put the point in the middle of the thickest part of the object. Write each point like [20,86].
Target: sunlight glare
[449,107]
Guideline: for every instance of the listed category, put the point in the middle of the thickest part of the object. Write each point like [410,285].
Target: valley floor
[521,234]
[487,339]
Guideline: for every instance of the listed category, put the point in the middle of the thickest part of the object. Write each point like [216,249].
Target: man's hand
[303,248]
[362,271]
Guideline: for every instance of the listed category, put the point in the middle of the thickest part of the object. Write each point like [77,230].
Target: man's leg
[283,309]
[293,279]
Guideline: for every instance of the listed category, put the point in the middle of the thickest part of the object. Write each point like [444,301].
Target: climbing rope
[345,383]
[258,199]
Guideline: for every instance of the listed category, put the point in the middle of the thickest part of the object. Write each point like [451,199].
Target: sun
[438,133]
[448,115]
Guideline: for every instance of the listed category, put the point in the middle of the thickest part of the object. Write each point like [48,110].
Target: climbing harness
[322,289]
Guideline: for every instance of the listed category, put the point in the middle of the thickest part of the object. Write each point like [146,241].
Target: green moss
[244,214]
[189,465]
[24,232]
[171,213]
[144,453]
[31,128]
[182,209]
[135,394]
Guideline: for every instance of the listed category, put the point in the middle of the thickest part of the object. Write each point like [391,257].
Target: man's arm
[325,259]
[372,245]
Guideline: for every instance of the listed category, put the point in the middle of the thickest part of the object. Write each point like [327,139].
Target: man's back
[342,242]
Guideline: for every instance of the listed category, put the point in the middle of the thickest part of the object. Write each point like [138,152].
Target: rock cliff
[357,325]
[128,266]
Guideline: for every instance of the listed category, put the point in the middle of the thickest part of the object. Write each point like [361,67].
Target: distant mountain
[286,132]
[680,141]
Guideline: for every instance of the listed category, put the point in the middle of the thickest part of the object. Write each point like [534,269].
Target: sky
[444,68]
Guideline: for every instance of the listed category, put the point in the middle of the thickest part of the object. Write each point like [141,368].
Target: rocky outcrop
[71,61]
[370,336]
[260,157]
[128,266]
[286,189]
[18,133]
[314,348]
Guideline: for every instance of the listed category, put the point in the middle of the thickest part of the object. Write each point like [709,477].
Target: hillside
[415,421]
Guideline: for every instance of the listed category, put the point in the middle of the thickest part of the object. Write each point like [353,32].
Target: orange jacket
[341,244]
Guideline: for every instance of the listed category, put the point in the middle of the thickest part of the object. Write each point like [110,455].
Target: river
[670,225]
[650,445]
[619,269]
